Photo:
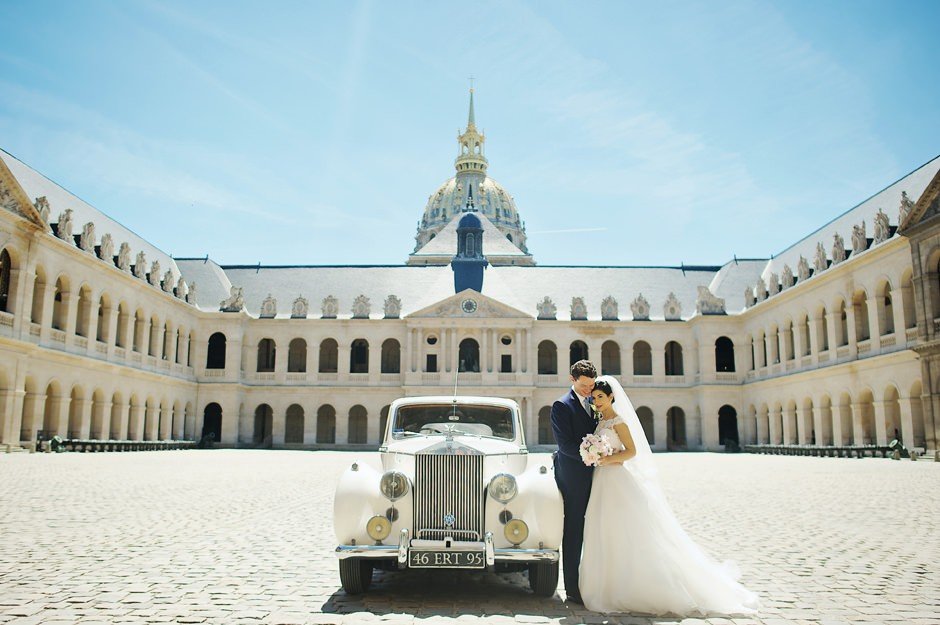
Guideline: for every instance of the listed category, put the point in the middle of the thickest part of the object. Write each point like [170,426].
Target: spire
[471,160]
[470,121]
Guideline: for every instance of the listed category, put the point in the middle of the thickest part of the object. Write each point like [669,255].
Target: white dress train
[637,558]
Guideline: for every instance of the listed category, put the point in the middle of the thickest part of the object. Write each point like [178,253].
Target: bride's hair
[604,387]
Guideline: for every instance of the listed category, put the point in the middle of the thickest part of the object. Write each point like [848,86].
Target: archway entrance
[264,420]
[728,428]
[212,423]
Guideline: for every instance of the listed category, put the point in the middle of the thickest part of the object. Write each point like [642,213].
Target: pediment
[482,307]
[926,207]
[14,199]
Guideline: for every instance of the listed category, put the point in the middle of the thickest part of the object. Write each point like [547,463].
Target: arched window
[546,437]
[359,356]
[577,351]
[860,311]
[548,358]
[267,351]
[675,428]
[469,356]
[329,356]
[843,328]
[610,358]
[804,335]
[152,340]
[727,426]
[326,424]
[215,356]
[824,330]
[189,351]
[101,326]
[886,312]
[5,281]
[391,356]
[907,301]
[211,422]
[264,419]
[646,420]
[724,354]
[791,342]
[297,356]
[294,425]
[753,363]
[358,425]
[121,339]
[58,304]
[642,358]
[471,247]
[673,353]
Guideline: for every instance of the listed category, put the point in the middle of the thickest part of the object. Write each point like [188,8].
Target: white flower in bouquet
[593,448]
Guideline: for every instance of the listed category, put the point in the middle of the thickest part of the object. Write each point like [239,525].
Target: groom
[572,419]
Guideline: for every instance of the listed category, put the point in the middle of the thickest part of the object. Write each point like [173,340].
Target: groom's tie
[587,406]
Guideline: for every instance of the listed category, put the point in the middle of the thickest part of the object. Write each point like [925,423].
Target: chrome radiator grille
[449,497]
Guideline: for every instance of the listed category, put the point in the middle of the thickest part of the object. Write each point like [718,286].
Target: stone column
[832,321]
[278,420]
[818,417]
[881,435]
[408,352]
[897,306]
[6,418]
[281,352]
[233,357]
[787,435]
[342,425]
[110,325]
[22,283]
[157,344]
[120,410]
[531,354]
[344,352]
[34,404]
[785,345]
[135,426]
[375,362]
[126,340]
[875,325]
[814,343]
[851,331]
[859,433]
[47,312]
[768,342]
[169,343]
[907,422]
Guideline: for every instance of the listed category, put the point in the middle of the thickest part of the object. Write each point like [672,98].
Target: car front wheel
[355,574]
[543,578]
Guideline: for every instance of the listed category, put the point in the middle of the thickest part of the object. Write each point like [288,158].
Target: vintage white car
[453,487]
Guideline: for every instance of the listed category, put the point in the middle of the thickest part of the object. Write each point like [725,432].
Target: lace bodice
[605,428]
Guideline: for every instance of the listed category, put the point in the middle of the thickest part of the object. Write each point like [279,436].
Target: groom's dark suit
[570,423]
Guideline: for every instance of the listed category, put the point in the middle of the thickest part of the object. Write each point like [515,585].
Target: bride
[637,558]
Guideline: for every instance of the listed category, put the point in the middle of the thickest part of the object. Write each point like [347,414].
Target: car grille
[449,485]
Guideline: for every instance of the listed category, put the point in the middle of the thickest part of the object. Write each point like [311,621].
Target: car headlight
[379,528]
[394,485]
[516,531]
[502,487]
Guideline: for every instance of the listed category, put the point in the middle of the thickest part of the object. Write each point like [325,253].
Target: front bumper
[399,552]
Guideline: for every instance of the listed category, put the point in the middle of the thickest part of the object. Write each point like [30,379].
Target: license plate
[446,560]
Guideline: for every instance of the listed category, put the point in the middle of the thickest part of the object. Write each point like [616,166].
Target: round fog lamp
[502,487]
[516,531]
[379,528]
[394,485]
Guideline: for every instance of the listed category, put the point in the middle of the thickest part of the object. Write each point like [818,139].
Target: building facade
[103,336]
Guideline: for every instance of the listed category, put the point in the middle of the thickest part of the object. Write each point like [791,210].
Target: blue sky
[313,133]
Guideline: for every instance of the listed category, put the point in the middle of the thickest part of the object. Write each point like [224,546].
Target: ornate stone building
[102,335]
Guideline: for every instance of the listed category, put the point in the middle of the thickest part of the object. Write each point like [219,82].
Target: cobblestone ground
[246,537]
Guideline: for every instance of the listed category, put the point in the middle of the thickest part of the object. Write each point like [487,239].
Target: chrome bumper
[399,552]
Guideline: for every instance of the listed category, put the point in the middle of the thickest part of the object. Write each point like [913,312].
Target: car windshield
[431,419]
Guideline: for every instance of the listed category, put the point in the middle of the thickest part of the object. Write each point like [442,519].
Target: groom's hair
[585,368]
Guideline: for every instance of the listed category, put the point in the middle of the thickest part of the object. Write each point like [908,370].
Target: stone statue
[748,296]
[859,238]
[361,307]
[42,207]
[578,308]
[106,249]
[235,301]
[640,308]
[154,277]
[140,265]
[330,307]
[820,262]
[773,284]
[838,248]
[299,308]
[786,278]
[609,309]
[191,294]
[802,268]
[761,289]
[392,307]
[547,308]
[87,240]
[707,303]
[167,283]
[672,309]
[124,257]
[180,288]
[882,227]
[268,307]
[907,205]
[64,226]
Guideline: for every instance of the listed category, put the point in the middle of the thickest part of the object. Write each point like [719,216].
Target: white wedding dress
[636,557]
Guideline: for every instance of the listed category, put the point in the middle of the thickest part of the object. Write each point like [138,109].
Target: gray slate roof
[495,242]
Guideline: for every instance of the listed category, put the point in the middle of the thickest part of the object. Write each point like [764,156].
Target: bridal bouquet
[593,448]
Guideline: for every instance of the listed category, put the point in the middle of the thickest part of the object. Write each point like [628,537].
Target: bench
[93,445]
[831,451]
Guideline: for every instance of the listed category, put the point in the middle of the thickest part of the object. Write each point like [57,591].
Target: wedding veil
[643,462]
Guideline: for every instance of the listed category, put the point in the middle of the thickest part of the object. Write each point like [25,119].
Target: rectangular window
[431,365]
[505,363]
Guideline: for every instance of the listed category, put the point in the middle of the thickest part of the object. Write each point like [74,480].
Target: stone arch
[297,356]
[762,425]
[547,358]
[918,425]
[151,419]
[860,313]
[932,282]
[642,358]
[153,336]
[263,426]
[805,331]
[866,418]
[52,411]
[774,354]
[215,354]
[120,337]
[885,307]
[76,406]
[546,436]
[842,324]
[673,356]
[675,429]
[60,302]
[724,355]
[846,429]
[38,304]
[824,437]
[892,414]
[134,421]
[294,425]
[6,272]
[118,417]
[809,434]
[31,420]
[164,421]
[610,358]
[83,311]
[101,319]
[189,422]
[100,416]
[647,421]
[822,338]
[212,423]
[790,428]
[178,422]
[138,331]
[750,426]
[358,425]
[728,427]
[907,298]
[391,356]
[326,424]
[329,356]
[776,424]
[267,354]
[469,355]
[578,350]
[359,356]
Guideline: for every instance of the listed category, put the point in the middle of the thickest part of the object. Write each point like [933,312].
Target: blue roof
[470,221]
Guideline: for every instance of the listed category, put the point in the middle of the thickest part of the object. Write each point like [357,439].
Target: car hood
[459,445]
